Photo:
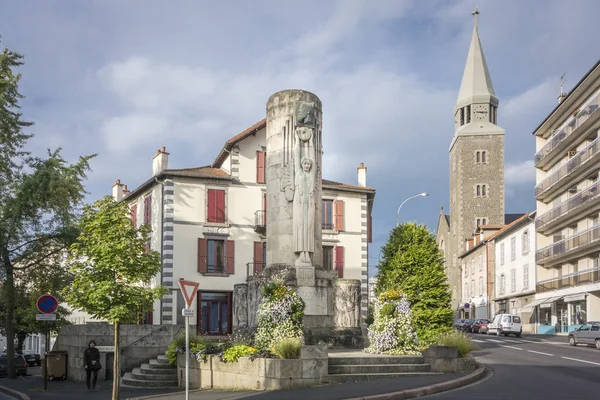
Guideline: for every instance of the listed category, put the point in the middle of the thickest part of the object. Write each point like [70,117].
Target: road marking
[477,341]
[540,352]
[529,341]
[515,348]
[583,361]
[512,341]
[495,341]
[558,343]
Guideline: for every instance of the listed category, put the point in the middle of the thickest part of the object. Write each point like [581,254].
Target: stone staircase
[365,367]
[158,373]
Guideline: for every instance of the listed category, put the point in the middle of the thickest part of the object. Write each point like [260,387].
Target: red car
[480,326]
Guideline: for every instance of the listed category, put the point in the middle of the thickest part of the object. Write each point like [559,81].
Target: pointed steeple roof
[476,86]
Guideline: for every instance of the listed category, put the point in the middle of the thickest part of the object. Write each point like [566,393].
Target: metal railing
[260,221]
[254,268]
[572,124]
[572,165]
[574,202]
[566,281]
[571,243]
[162,328]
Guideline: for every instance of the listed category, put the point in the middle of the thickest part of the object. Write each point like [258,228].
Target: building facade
[515,275]
[567,194]
[209,224]
[476,164]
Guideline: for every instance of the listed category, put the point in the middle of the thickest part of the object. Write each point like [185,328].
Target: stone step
[129,380]
[162,360]
[370,360]
[137,373]
[345,378]
[378,368]
[149,369]
[157,364]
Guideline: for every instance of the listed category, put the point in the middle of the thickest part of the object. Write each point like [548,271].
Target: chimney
[125,190]
[160,161]
[362,175]
[117,191]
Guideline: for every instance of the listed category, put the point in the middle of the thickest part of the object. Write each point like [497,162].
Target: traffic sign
[47,304]
[45,317]
[188,312]
[188,289]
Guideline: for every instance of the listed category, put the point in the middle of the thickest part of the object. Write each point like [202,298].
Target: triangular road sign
[189,290]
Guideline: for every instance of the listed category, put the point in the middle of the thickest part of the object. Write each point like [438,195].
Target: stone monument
[294,223]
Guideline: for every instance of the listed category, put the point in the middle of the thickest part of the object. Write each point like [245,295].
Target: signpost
[47,305]
[189,290]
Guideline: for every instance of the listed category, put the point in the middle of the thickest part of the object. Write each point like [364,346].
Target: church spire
[476,86]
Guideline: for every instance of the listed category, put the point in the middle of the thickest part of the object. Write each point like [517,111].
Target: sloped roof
[200,172]
[337,185]
[447,218]
[495,234]
[236,139]
[510,218]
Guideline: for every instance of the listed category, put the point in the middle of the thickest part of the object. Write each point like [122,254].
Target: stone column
[294,119]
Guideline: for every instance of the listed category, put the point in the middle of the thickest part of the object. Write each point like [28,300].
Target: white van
[505,324]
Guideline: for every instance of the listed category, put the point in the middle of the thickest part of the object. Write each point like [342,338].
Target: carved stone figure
[347,307]
[240,300]
[305,114]
[304,208]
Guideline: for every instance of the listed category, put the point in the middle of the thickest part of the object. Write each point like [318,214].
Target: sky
[123,78]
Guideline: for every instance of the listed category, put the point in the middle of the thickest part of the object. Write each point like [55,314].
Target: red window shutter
[211,215]
[220,206]
[258,257]
[370,228]
[230,258]
[260,167]
[147,210]
[339,261]
[134,216]
[339,215]
[202,256]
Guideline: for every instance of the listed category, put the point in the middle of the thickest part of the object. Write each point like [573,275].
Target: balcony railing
[260,221]
[567,281]
[566,245]
[580,198]
[571,166]
[254,268]
[573,123]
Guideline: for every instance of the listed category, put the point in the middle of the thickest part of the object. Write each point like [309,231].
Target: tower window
[468,114]
[478,157]
[462,116]
[483,157]
[478,222]
[483,191]
[478,190]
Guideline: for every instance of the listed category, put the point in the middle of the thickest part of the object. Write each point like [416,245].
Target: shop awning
[547,303]
[534,304]
[574,297]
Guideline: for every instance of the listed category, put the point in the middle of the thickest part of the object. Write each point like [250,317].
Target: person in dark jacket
[91,361]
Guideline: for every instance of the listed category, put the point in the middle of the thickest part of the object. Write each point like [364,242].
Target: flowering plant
[391,331]
[280,316]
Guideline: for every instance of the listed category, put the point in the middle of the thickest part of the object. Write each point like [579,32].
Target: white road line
[477,341]
[515,348]
[495,341]
[512,341]
[557,343]
[539,352]
[583,361]
[529,341]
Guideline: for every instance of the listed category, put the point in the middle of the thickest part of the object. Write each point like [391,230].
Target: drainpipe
[162,234]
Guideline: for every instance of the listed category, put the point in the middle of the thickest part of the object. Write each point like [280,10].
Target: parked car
[32,357]
[506,324]
[466,326]
[458,323]
[476,327]
[20,365]
[586,334]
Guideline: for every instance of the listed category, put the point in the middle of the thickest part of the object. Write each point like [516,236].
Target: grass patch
[287,349]
[459,340]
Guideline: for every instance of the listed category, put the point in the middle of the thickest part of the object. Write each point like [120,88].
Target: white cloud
[519,173]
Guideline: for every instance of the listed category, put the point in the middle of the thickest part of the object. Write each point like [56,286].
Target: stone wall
[75,338]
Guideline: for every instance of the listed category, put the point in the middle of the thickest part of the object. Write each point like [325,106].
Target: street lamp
[410,198]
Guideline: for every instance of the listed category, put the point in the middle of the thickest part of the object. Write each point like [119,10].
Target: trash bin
[57,365]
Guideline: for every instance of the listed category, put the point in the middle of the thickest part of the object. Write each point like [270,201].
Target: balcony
[254,268]
[567,281]
[260,222]
[574,246]
[581,164]
[587,201]
[564,138]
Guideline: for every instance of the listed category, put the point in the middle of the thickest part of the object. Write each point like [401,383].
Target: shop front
[561,314]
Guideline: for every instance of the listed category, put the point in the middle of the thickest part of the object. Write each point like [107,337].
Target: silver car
[588,333]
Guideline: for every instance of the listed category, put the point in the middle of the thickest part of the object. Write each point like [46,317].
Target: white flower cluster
[391,331]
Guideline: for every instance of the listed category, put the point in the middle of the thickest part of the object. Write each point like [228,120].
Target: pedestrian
[91,363]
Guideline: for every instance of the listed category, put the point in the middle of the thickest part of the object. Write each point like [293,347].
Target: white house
[515,270]
[209,225]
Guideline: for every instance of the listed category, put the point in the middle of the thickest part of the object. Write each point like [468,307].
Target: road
[532,368]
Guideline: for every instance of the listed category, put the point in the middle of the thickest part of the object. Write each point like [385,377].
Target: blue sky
[124,78]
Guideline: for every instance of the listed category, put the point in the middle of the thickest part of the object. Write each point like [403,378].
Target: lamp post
[424,194]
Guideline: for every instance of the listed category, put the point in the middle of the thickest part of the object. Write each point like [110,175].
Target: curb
[14,393]
[431,389]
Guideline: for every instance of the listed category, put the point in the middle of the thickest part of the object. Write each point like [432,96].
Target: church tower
[476,159]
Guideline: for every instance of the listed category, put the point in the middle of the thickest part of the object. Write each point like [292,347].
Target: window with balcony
[215,206]
[513,248]
[501,254]
[513,280]
[526,276]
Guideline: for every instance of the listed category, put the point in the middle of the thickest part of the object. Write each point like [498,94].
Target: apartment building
[209,224]
[567,195]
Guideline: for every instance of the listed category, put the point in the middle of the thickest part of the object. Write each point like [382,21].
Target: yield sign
[189,289]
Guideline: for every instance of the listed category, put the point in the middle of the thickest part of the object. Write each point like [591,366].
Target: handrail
[587,194]
[565,245]
[591,275]
[162,328]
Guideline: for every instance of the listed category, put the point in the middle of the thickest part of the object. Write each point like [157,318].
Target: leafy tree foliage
[38,200]
[413,264]
[111,268]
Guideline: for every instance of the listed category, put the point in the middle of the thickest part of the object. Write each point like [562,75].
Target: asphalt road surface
[532,368]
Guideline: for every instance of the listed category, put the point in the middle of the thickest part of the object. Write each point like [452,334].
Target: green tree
[38,200]
[111,269]
[413,263]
